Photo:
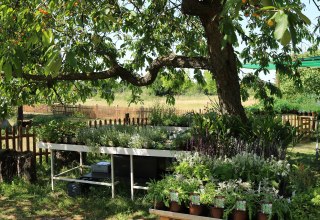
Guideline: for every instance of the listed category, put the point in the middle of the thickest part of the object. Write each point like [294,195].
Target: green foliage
[221,135]
[127,136]
[57,131]
[167,116]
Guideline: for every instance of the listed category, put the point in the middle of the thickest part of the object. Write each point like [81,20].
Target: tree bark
[224,65]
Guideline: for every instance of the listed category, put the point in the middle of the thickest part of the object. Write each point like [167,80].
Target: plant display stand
[104,150]
[167,215]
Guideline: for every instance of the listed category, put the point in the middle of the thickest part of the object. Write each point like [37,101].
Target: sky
[312,13]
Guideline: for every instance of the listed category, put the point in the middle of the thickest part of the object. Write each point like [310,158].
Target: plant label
[219,202]
[174,197]
[266,208]
[241,205]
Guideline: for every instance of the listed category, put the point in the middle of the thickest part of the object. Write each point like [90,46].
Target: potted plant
[271,204]
[215,199]
[195,190]
[156,194]
[175,192]
[241,200]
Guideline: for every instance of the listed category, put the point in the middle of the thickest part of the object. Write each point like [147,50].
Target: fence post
[13,140]
[127,118]
[28,137]
[7,138]
[34,144]
[20,138]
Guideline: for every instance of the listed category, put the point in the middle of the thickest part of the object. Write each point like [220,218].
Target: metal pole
[81,163]
[131,175]
[52,169]
[112,176]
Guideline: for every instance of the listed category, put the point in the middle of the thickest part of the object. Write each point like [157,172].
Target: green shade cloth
[311,62]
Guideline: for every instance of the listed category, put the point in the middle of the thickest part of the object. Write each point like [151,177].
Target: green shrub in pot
[156,193]
[240,196]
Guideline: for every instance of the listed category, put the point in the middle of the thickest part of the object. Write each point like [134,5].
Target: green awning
[310,62]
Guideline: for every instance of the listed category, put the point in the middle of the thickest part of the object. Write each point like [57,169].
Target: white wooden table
[104,150]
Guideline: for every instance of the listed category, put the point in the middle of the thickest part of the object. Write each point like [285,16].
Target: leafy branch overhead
[80,46]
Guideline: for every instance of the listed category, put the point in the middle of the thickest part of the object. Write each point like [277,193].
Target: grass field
[183,102]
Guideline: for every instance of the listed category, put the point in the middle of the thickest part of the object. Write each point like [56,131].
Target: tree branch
[318,6]
[195,7]
[118,70]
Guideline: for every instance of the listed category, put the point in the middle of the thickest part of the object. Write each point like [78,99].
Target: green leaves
[7,69]
[70,59]
[47,37]
[281,33]
[54,63]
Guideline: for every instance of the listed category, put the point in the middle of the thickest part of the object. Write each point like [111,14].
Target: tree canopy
[57,50]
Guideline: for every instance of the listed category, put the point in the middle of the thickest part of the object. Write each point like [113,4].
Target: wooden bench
[166,215]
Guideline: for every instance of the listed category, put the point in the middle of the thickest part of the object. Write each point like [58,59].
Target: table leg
[81,163]
[112,176]
[131,175]
[52,168]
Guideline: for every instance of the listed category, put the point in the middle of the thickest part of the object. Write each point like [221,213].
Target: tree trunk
[224,65]
[20,115]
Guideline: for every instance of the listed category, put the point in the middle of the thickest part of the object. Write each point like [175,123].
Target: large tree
[67,50]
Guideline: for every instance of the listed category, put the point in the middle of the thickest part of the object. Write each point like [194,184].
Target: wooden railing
[21,139]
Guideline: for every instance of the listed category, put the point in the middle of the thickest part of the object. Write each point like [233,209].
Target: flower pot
[175,207]
[262,216]
[158,205]
[195,209]
[240,215]
[216,212]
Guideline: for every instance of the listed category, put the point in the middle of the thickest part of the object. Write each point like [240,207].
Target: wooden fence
[96,111]
[306,124]
[124,121]
[21,139]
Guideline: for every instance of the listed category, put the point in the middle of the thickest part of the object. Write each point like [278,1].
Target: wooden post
[126,118]
[7,138]
[20,138]
[28,137]
[13,130]
[34,144]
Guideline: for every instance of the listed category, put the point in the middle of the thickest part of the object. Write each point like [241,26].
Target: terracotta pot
[175,207]
[262,216]
[195,209]
[159,205]
[240,215]
[216,212]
